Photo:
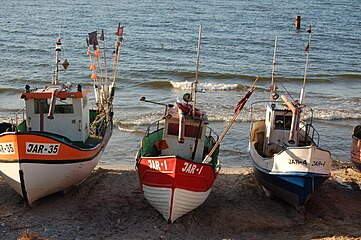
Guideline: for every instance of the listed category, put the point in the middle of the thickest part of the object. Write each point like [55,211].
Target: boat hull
[292,174]
[356,152]
[41,164]
[175,186]
[296,189]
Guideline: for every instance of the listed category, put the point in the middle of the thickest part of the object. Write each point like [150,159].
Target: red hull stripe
[41,95]
[173,172]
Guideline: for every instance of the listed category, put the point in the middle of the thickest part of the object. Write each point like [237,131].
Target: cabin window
[63,105]
[283,122]
[41,105]
[173,129]
[190,131]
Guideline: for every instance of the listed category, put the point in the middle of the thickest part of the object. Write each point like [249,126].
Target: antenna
[273,94]
[302,95]
[57,59]
[55,79]
[59,30]
[197,64]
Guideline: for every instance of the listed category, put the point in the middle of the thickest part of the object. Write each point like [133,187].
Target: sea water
[158,59]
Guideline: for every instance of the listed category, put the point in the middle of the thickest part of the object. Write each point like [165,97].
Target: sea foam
[205,86]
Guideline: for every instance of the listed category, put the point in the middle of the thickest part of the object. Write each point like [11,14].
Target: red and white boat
[356,147]
[58,140]
[177,161]
[173,176]
[172,173]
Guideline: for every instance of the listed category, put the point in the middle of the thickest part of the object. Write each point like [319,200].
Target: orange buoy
[97,52]
[92,67]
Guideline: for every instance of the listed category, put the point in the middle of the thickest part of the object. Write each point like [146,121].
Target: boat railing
[211,133]
[307,130]
[210,141]
[257,110]
[17,119]
[153,127]
[309,133]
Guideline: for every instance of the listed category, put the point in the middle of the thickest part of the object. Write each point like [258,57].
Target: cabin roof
[278,106]
[47,93]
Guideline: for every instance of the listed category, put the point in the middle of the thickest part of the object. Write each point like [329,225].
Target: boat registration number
[42,148]
[7,148]
[191,168]
[158,165]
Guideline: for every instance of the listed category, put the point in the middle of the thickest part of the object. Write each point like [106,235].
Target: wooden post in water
[298,22]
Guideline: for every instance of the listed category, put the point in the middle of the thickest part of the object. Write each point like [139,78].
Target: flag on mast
[307,47]
[119,31]
[243,101]
[308,44]
[93,39]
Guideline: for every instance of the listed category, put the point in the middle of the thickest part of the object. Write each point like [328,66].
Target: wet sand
[110,205]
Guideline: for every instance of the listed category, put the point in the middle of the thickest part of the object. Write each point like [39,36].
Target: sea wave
[163,76]
[225,116]
[203,86]
[158,84]
[336,114]
[10,91]
[349,76]
[129,129]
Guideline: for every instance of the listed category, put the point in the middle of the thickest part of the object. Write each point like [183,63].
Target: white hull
[172,208]
[10,173]
[308,159]
[44,179]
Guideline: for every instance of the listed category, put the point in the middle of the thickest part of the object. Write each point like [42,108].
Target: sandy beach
[110,205]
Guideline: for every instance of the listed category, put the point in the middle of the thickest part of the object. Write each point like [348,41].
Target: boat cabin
[57,109]
[279,120]
[181,134]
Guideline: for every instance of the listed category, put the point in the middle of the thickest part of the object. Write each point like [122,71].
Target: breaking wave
[208,86]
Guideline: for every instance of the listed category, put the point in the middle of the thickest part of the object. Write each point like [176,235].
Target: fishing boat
[356,147]
[177,162]
[284,146]
[173,176]
[58,138]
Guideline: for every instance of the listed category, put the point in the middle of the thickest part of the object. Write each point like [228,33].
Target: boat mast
[273,94]
[57,59]
[118,44]
[106,90]
[197,64]
[302,95]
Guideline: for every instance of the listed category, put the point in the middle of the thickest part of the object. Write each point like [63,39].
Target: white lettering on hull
[191,168]
[158,165]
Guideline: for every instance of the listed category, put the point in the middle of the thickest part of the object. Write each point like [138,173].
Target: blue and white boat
[284,147]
